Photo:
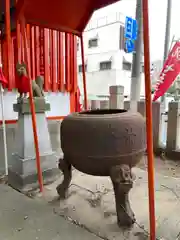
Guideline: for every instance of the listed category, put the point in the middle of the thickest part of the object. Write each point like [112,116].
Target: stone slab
[25,138]
[116,89]
[104,104]
[27,166]
[127,105]
[116,101]
[22,173]
[95,104]
[29,183]
[23,107]
[173,137]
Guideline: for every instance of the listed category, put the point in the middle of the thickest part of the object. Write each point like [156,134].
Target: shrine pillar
[116,100]
[173,136]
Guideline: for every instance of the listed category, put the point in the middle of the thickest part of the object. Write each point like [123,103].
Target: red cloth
[23,84]
[3,80]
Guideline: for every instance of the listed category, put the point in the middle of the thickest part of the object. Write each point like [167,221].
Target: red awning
[65,15]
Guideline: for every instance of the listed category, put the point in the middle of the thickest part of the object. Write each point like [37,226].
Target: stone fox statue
[23,83]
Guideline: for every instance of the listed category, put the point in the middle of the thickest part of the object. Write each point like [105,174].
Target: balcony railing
[106,20]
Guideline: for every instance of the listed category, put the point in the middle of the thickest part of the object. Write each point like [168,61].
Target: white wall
[93,60]
[60,105]
[124,78]
[98,82]
[108,39]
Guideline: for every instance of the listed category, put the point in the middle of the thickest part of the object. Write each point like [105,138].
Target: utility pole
[167,35]
[137,59]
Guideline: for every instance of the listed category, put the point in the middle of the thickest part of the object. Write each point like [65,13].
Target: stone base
[23,106]
[23,174]
[174,154]
[29,183]
[116,101]
[169,154]
[23,170]
[104,104]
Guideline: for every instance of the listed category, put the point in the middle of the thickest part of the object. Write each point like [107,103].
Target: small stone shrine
[22,170]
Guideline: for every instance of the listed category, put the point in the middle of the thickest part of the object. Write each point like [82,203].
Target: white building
[106,62]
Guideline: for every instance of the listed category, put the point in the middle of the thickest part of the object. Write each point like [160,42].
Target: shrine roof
[64,15]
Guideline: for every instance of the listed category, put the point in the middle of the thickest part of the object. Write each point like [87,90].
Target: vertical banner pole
[33,114]
[4,131]
[149,127]
[84,73]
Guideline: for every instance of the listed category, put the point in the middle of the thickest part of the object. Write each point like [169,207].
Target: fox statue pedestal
[22,171]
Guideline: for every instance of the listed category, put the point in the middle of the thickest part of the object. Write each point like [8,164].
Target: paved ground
[163,166]
[22,218]
[91,204]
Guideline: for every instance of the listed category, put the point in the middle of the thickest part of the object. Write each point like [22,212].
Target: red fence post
[67,62]
[8,43]
[37,52]
[32,52]
[60,65]
[46,61]
[54,60]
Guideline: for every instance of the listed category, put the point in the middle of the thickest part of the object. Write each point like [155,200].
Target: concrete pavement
[22,218]
[91,203]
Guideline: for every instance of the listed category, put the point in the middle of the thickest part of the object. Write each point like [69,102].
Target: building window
[81,69]
[105,65]
[93,43]
[126,66]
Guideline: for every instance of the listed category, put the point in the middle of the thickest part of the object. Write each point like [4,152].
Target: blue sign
[131,28]
[129,46]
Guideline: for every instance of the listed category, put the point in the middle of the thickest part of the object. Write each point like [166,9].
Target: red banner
[169,72]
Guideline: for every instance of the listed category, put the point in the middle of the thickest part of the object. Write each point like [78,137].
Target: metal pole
[137,59]
[171,45]
[83,73]
[167,35]
[4,132]
[149,125]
